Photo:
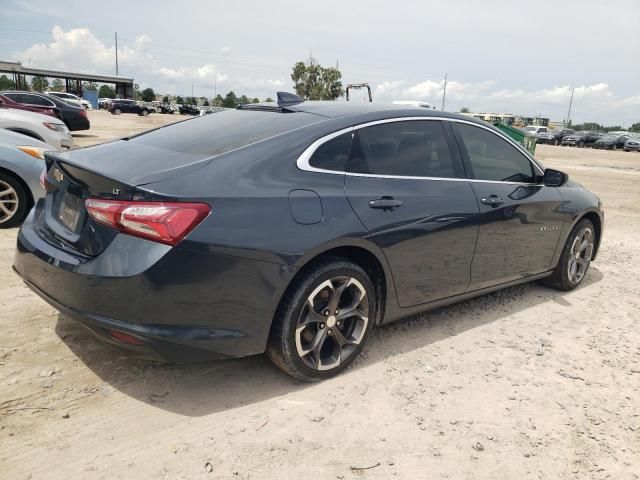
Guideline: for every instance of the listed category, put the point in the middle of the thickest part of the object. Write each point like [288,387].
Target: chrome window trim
[303,160]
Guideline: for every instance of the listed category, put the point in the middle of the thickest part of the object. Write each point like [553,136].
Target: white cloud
[204,72]
[590,102]
[78,49]
[224,50]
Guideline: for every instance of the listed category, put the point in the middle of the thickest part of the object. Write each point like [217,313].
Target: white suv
[535,129]
[71,98]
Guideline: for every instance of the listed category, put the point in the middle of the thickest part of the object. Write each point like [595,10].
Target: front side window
[409,148]
[492,157]
[332,154]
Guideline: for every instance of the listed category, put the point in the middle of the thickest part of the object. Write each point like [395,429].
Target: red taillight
[124,337]
[164,222]
[83,113]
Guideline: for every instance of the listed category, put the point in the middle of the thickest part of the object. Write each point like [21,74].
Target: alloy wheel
[8,202]
[580,255]
[332,323]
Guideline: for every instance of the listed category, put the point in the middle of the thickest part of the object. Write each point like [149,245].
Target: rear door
[520,219]
[406,186]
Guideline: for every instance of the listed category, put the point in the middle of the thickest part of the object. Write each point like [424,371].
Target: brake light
[163,222]
[83,113]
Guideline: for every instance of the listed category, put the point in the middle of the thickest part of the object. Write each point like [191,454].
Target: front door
[409,192]
[520,221]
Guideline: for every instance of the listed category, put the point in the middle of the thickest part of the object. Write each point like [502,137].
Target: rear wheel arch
[372,264]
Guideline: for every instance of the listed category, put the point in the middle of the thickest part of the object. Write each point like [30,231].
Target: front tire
[323,320]
[575,258]
[14,201]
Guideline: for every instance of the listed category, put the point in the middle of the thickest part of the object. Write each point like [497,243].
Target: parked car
[21,164]
[581,139]
[103,103]
[35,125]
[414,103]
[188,110]
[45,108]
[74,117]
[632,144]
[121,105]
[535,129]
[168,109]
[611,141]
[72,99]
[555,136]
[295,228]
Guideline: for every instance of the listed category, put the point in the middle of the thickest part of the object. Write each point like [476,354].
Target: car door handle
[492,200]
[385,203]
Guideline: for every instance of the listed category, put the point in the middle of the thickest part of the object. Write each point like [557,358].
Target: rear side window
[492,157]
[410,149]
[333,154]
[36,100]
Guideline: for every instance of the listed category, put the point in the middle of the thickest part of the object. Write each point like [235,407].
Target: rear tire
[117,111]
[575,258]
[144,113]
[556,142]
[308,339]
[14,201]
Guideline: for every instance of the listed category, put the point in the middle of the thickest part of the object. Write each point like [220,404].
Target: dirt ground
[524,383]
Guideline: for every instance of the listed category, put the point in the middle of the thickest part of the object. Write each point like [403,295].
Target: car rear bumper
[184,305]
[80,123]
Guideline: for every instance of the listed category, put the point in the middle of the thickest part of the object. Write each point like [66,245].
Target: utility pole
[570,103]
[116,54]
[444,91]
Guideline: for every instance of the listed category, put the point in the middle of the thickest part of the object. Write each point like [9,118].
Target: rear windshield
[222,132]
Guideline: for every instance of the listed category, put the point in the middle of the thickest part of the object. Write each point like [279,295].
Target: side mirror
[554,178]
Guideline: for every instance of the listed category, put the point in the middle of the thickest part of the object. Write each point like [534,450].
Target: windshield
[610,137]
[531,129]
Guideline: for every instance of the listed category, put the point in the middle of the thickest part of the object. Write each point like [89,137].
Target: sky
[516,57]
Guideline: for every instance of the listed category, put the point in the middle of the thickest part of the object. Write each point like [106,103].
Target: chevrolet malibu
[295,228]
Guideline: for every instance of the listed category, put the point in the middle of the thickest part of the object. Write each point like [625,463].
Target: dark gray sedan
[294,228]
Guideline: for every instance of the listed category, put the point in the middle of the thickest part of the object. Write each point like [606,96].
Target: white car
[413,103]
[35,125]
[71,98]
[535,129]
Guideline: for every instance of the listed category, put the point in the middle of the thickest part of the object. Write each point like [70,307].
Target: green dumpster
[525,139]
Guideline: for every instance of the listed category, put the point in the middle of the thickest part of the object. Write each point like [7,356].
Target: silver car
[21,164]
[42,127]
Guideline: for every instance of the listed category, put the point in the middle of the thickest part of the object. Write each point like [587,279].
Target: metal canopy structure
[73,80]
